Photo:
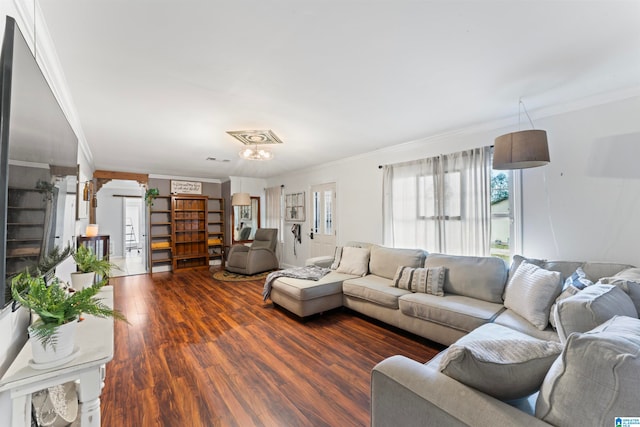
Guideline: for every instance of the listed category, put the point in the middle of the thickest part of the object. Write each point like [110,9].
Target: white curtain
[273,214]
[441,204]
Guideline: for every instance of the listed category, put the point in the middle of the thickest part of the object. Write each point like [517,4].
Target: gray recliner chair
[259,257]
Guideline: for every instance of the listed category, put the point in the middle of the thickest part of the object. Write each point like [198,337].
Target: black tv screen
[38,165]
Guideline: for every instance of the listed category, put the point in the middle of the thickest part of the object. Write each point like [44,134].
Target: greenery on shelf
[46,188]
[54,257]
[150,196]
[56,305]
[88,262]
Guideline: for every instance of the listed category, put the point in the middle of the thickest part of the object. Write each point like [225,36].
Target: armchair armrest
[407,393]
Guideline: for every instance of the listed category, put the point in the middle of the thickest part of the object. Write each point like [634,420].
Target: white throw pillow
[596,378]
[500,361]
[354,261]
[591,307]
[531,292]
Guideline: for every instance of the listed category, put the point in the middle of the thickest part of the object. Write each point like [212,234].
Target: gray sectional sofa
[496,321]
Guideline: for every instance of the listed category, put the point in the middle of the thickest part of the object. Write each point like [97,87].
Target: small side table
[94,339]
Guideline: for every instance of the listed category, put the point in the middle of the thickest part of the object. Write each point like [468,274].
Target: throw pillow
[336,258]
[591,307]
[629,281]
[569,291]
[596,377]
[423,280]
[402,278]
[579,279]
[531,292]
[500,361]
[354,261]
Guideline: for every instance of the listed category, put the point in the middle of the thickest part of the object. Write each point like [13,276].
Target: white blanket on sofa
[310,272]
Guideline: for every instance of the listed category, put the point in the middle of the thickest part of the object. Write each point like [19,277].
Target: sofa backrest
[385,261]
[482,278]
[593,270]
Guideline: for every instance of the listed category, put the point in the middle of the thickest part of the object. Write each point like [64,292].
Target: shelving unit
[189,232]
[160,232]
[26,221]
[215,229]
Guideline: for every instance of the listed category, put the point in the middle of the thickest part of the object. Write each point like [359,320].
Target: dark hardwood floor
[199,352]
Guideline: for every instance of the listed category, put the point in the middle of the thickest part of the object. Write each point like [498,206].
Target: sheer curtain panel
[273,214]
[441,204]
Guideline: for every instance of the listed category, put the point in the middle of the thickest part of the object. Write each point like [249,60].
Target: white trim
[185,178]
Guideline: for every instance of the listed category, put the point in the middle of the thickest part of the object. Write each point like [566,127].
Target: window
[501,218]
[440,204]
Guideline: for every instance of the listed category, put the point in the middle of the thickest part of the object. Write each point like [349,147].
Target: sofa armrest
[407,393]
[320,261]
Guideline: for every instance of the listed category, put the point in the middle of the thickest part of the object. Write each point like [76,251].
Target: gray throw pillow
[424,280]
[569,291]
[596,378]
[500,361]
[591,307]
[531,292]
[336,258]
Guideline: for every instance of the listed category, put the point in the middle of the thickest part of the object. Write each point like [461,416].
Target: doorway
[121,215]
[323,219]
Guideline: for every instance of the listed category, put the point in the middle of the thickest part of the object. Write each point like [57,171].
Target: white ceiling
[158,83]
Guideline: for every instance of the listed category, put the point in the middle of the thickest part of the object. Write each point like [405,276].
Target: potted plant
[58,310]
[88,267]
[150,196]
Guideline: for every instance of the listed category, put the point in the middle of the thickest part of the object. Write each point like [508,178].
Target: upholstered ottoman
[306,297]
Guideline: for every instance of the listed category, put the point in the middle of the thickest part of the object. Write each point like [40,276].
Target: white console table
[94,339]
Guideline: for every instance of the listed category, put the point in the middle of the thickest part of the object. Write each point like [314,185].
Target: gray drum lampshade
[240,199]
[521,150]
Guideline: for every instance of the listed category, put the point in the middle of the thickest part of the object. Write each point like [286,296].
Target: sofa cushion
[501,362]
[424,280]
[531,293]
[302,289]
[591,307]
[476,277]
[455,311]
[374,289]
[385,261]
[354,261]
[596,378]
[511,319]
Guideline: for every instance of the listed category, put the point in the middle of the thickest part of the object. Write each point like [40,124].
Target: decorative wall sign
[186,187]
[294,207]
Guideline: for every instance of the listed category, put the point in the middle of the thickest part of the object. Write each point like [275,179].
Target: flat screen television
[38,165]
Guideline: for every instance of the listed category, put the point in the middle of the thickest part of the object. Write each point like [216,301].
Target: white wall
[592,186]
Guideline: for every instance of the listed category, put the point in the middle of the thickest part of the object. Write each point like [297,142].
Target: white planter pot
[79,281]
[61,352]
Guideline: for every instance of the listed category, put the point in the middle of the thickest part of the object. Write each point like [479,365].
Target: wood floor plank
[201,352]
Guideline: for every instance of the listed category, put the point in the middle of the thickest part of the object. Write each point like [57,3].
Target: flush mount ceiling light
[522,149]
[255,138]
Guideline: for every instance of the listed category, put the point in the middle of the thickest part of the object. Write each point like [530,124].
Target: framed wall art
[294,207]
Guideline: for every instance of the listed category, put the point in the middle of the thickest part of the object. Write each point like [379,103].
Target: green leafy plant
[88,262]
[54,257]
[56,305]
[150,195]
[46,188]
